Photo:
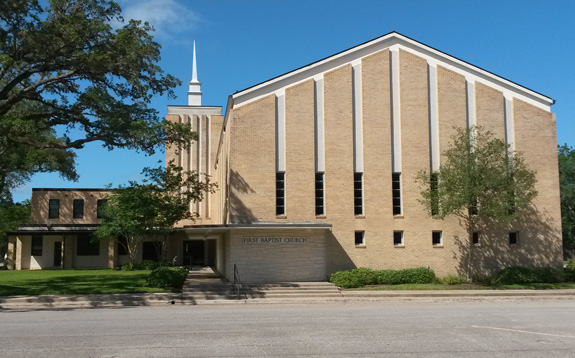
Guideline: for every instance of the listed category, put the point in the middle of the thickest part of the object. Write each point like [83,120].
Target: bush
[149,265]
[364,276]
[570,271]
[167,277]
[487,280]
[522,275]
[452,280]
[127,267]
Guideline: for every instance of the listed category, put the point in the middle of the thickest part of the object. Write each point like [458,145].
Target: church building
[316,172]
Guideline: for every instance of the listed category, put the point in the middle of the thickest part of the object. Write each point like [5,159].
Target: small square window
[436,238]
[513,238]
[359,238]
[475,239]
[398,238]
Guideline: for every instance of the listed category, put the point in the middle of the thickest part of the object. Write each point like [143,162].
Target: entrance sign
[267,240]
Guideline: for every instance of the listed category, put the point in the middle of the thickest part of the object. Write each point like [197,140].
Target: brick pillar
[68,251]
[112,254]
[11,253]
[18,256]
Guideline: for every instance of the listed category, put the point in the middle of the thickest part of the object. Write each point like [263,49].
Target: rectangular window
[78,209]
[37,242]
[319,195]
[100,205]
[473,207]
[398,238]
[475,239]
[87,246]
[54,209]
[513,238]
[434,185]
[280,194]
[436,238]
[358,193]
[359,238]
[396,187]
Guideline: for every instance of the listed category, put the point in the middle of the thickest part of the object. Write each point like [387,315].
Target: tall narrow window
[513,238]
[396,188]
[36,245]
[434,185]
[358,193]
[436,238]
[359,238]
[473,207]
[319,195]
[280,194]
[100,206]
[78,209]
[475,239]
[54,209]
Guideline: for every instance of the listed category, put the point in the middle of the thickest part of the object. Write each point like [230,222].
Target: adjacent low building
[317,172]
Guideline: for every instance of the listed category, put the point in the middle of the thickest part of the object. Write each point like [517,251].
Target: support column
[18,258]
[112,254]
[11,254]
[68,251]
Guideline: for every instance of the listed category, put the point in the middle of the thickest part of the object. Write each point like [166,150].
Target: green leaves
[567,182]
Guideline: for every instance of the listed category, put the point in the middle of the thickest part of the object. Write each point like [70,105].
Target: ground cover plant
[69,282]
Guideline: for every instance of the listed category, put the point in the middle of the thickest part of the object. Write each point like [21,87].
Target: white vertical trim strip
[208,162]
[319,126]
[280,132]
[395,111]
[357,120]
[191,156]
[509,125]
[200,137]
[433,117]
[180,147]
[470,89]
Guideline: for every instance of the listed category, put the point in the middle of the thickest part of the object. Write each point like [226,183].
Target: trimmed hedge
[521,275]
[365,276]
[167,277]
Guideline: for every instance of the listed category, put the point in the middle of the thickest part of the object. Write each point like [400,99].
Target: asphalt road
[516,328]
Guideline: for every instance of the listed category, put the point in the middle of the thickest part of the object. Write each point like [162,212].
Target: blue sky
[242,43]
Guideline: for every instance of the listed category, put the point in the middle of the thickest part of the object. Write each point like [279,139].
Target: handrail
[237,281]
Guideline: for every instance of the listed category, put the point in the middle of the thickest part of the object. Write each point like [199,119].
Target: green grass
[71,282]
[468,286]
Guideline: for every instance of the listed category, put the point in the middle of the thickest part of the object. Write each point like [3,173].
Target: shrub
[127,267]
[149,265]
[487,280]
[364,276]
[521,275]
[452,280]
[167,277]
[570,271]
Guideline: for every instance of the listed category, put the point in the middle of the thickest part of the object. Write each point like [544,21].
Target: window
[53,209]
[100,205]
[359,238]
[473,207]
[513,238]
[398,238]
[436,238]
[396,188]
[37,245]
[86,246]
[280,194]
[475,239]
[319,195]
[78,209]
[358,193]
[122,245]
[434,185]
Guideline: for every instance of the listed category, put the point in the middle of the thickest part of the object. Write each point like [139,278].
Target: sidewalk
[18,303]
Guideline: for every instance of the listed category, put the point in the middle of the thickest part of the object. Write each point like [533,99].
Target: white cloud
[168,17]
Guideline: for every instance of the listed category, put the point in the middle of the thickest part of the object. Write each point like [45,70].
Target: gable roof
[392,40]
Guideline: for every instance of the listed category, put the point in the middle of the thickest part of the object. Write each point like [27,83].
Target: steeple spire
[194,91]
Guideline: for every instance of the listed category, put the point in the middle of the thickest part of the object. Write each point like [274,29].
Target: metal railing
[237,281]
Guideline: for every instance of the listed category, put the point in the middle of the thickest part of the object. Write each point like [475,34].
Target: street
[506,328]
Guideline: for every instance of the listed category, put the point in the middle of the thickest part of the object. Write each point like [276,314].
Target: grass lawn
[70,282]
[469,286]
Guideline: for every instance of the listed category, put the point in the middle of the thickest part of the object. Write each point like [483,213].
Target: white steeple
[194,92]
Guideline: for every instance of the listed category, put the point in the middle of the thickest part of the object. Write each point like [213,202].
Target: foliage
[150,209]
[68,77]
[481,178]
[149,265]
[452,280]
[364,276]
[523,275]
[567,182]
[73,282]
[167,277]
[11,215]
[570,271]
[486,280]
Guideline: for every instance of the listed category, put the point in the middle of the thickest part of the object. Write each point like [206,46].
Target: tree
[567,183]
[68,78]
[149,210]
[481,178]
[11,215]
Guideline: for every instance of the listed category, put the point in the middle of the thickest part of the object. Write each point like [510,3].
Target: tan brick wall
[452,106]
[490,111]
[40,200]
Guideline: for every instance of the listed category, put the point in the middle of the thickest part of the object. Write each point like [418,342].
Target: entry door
[58,253]
[193,252]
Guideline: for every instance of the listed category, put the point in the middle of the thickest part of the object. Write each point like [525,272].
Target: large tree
[11,215]
[567,181]
[68,77]
[149,210]
[480,178]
